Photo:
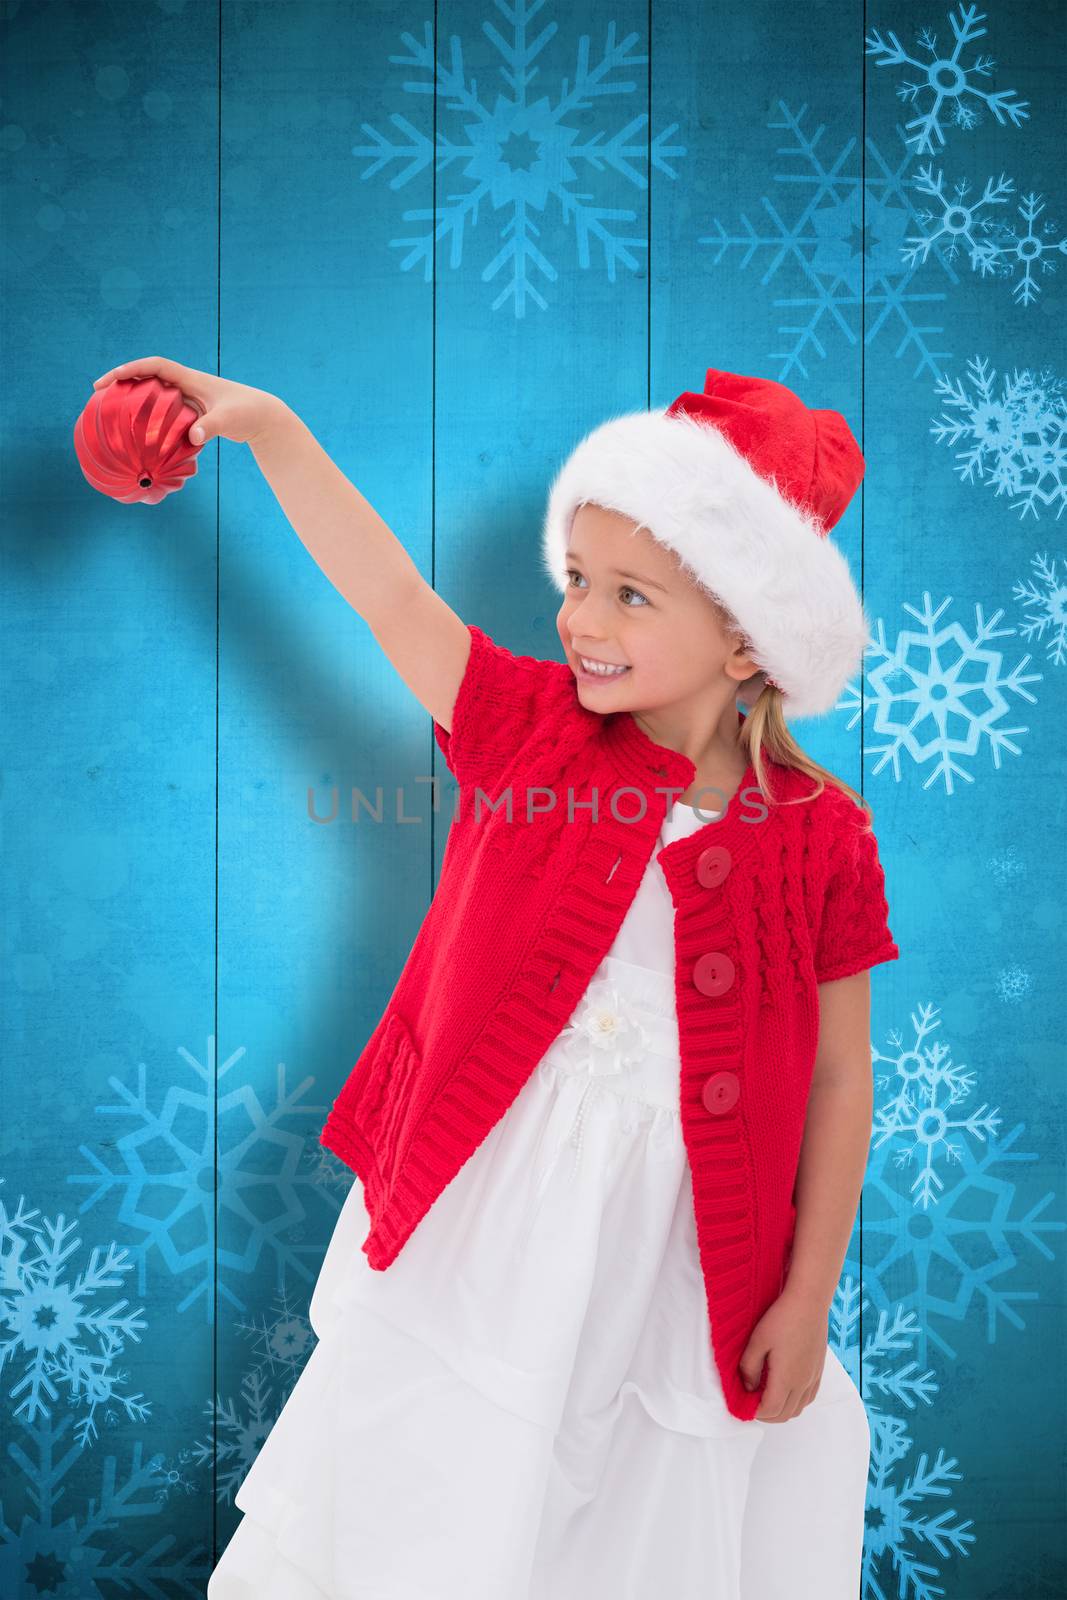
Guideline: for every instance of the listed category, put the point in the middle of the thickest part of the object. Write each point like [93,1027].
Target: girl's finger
[147,367]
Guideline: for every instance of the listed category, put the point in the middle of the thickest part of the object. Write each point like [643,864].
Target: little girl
[610,1132]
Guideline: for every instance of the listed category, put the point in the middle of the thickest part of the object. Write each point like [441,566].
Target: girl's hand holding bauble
[140,432]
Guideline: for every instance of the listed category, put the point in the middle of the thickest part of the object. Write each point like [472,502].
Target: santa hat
[744,483]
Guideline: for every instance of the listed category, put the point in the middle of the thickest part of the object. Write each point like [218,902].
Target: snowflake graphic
[937,693]
[957,222]
[56,1328]
[1006,867]
[284,1340]
[897,1516]
[172,1479]
[960,1255]
[883,1376]
[170,1188]
[996,249]
[324,1171]
[72,1554]
[890,1382]
[521,154]
[1007,249]
[1048,602]
[1013,984]
[946,82]
[240,1433]
[847,241]
[924,1086]
[1015,442]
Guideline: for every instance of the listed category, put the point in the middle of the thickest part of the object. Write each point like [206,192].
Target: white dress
[524,1405]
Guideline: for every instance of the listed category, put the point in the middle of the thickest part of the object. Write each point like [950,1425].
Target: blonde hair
[765,730]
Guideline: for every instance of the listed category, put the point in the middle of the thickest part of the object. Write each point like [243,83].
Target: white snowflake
[521,153]
[1047,601]
[957,222]
[1015,442]
[947,82]
[1007,249]
[1006,867]
[996,248]
[936,693]
[891,1382]
[923,1089]
[1013,984]
[57,1331]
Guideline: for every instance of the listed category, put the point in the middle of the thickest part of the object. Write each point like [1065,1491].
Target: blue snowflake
[76,1554]
[936,693]
[995,248]
[891,1382]
[847,240]
[947,82]
[520,153]
[170,1188]
[923,1089]
[239,1432]
[57,1331]
[898,1519]
[283,1341]
[948,1261]
[1016,442]
[1013,984]
[172,1479]
[1047,600]
[1007,867]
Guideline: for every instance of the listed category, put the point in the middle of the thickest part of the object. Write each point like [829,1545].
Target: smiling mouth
[591,671]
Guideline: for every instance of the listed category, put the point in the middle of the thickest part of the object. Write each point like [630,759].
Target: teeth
[601,669]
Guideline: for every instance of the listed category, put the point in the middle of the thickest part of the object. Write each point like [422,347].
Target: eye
[572,572]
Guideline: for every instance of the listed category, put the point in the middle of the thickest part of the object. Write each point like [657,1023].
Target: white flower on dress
[603,1037]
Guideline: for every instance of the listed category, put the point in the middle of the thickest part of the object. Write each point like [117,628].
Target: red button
[713,973]
[712,866]
[721,1092]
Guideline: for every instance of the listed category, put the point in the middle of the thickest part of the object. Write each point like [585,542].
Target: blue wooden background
[863,201]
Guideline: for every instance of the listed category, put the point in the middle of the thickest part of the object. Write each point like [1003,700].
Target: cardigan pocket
[385,1102]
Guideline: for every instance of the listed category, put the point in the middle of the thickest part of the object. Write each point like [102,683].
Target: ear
[750,690]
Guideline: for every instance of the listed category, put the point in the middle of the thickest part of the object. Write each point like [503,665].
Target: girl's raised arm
[423,637]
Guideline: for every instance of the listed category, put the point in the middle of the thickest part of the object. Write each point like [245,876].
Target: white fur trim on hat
[788,586]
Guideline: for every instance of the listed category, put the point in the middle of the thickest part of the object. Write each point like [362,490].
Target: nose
[582,620]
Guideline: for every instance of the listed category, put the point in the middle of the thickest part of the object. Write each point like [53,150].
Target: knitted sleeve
[854,928]
[499,703]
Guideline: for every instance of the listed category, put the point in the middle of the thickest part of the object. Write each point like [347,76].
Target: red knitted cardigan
[559,809]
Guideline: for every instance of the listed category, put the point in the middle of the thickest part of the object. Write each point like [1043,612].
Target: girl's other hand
[228,410]
[791,1337]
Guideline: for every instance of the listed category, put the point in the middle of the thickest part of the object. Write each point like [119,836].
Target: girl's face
[630,604]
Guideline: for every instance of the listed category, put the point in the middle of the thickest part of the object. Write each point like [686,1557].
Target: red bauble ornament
[132,440]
